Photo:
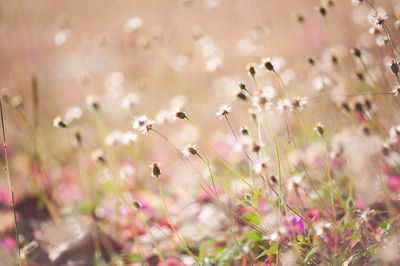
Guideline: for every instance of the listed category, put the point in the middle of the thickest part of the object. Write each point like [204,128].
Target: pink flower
[393,182]
[9,243]
[171,262]
[296,222]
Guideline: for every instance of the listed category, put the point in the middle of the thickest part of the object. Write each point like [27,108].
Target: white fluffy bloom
[223,111]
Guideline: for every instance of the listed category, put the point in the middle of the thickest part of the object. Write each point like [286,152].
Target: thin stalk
[6,170]
[172,225]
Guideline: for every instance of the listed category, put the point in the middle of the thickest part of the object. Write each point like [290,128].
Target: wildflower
[98,156]
[378,17]
[77,137]
[191,149]
[256,146]
[273,179]
[321,10]
[356,2]
[223,111]
[129,101]
[17,102]
[59,122]
[251,68]
[295,181]
[143,124]
[284,105]
[244,130]
[180,114]
[396,90]
[72,114]
[128,138]
[137,205]
[394,66]
[239,94]
[374,30]
[356,52]
[113,138]
[311,60]
[261,165]
[319,128]
[382,40]
[92,103]
[299,103]
[155,169]
[132,24]
[242,85]
[266,62]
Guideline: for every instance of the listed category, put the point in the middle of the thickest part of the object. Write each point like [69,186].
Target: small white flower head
[191,149]
[92,103]
[143,124]
[129,101]
[98,156]
[295,181]
[396,90]
[299,103]
[261,166]
[223,111]
[356,2]
[377,17]
[164,116]
[244,130]
[132,24]
[284,105]
[394,132]
[73,113]
[155,169]
[382,40]
[319,128]
[113,138]
[251,69]
[58,122]
[129,138]
[264,95]
[321,83]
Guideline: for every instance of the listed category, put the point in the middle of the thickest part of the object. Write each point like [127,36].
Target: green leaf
[272,250]
[251,218]
[256,193]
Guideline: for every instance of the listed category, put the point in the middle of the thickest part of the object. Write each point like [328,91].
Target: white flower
[191,149]
[356,2]
[129,138]
[284,105]
[143,124]
[132,24]
[377,17]
[261,165]
[129,101]
[113,138]
[223,111]
[59,122]
[396,90]
[72,114]
[92,103]
[299,103]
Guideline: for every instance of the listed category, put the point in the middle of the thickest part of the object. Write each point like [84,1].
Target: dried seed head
[394,66]
[251,68]
[256,146]
[58,122]
[155,170]
[239,94]
[273,179]
[77,136]
[300,18]
[98,156]
[244,130]
[366,130]
[346,107]
[180,114]
[299,103]
[242,85]
[266,62]
[356,52]
[319,128]
[321,10]
[17,102]
[311,60]
[137,205]
[358,106]
[360,76]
